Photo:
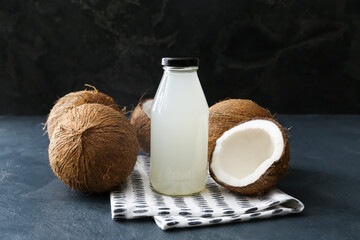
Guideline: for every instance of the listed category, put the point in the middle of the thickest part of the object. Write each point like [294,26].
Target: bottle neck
[192,69]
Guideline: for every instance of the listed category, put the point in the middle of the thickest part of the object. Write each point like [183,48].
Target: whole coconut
[74,99]
[140,119]
[224,118]
[93,149]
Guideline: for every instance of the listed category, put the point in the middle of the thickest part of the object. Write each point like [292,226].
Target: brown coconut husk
[93,149]
[75,99]
[229,113]
[142,124]
[272,175]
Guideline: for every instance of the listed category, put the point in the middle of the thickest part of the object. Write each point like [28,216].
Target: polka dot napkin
[214,205]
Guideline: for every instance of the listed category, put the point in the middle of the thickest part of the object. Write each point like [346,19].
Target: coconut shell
[93,149]
[272,175]
[142,124]
[229,113]
[74,99]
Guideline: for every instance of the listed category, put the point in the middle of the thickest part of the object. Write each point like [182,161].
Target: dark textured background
[290,56]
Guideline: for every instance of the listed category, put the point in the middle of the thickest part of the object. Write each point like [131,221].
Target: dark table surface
[324,174]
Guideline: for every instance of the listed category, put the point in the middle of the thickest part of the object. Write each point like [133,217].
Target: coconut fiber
[93,148]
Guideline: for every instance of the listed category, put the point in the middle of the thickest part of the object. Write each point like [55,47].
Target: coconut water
[179,133]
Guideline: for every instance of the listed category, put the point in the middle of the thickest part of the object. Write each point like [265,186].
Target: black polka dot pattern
[184,213]
[277,211]
[251,210]
[215,205]
[192,223]
[217,220]
[172,223]
[255,215]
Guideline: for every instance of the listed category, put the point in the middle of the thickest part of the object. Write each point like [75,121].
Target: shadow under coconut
[103,197]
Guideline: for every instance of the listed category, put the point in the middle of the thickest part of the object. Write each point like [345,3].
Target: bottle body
[179,134]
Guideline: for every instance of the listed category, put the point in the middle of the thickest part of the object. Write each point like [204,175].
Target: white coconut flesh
[244,153]
[146,107]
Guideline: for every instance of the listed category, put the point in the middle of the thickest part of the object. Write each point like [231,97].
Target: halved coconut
[229,113]
[251,157]
[248,150]
[140,119]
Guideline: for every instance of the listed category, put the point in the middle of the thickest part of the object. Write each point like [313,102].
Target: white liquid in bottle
[179,131]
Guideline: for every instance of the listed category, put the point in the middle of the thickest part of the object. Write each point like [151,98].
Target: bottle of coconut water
[179,130]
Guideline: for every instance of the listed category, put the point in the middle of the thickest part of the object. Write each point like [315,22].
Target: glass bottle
[179,130]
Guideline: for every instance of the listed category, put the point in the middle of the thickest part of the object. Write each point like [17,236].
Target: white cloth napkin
[214,205]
